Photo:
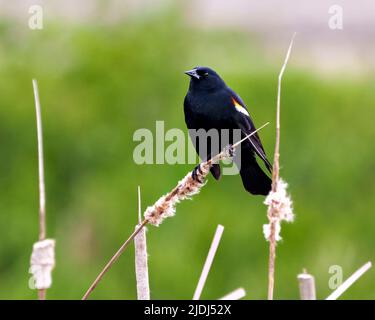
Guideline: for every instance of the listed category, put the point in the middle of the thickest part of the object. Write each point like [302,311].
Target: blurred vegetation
[98,84]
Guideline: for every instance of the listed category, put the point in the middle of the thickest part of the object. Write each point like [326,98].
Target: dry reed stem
[348,282]
[141,264]
[180,192]
[275,180]
[306,286]
[42,197]
[235,295]
[208,263]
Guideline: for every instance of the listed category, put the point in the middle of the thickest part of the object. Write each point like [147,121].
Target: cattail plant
[278,201]
[43,255]
[306,286]
[166,205]
[141,263]
[208,263]
[234,295]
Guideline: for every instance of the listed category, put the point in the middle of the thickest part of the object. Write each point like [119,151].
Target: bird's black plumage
[211,104]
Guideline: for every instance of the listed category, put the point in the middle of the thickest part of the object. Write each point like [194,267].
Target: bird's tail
[253,177]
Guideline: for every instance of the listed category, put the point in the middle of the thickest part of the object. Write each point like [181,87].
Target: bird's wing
[247,126]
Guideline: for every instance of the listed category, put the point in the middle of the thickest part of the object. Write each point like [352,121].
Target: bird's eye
[205,74]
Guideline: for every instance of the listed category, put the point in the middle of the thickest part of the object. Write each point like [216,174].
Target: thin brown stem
[42,294]
[139,205]
[275,179]
[42,194]
[271,262]
[276,165]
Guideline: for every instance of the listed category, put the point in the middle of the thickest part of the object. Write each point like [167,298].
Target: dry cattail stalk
[348,282]
[141,265]
[208,263]
[306,286]
[165,206]
[186,188]
[44,272]
[279,204]
[235,295]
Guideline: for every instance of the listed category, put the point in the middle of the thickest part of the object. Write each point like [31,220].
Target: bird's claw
[195,174]
[230,151]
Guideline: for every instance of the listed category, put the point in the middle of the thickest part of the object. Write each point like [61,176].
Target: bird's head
[204,78]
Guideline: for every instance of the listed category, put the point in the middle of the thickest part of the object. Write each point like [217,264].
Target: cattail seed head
[166,206]
[279,209]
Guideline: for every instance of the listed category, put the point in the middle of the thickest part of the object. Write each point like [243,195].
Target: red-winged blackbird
[211,104]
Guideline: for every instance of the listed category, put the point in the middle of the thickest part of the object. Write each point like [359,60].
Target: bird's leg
[195,172]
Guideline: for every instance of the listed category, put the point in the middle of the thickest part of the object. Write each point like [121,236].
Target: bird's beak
[192,73]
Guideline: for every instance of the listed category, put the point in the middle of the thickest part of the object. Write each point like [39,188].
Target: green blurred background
[99,82]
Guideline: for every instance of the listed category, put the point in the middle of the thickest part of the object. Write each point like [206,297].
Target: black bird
[211,104]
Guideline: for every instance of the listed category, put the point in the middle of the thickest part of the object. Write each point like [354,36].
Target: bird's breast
[209,111]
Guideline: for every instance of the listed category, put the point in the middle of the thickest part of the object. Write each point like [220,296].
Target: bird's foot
[229,151]
[196,173]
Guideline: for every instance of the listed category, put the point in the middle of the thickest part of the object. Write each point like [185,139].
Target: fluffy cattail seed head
[279,209]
